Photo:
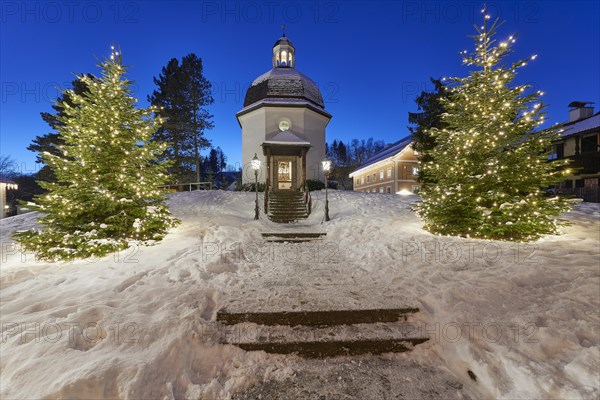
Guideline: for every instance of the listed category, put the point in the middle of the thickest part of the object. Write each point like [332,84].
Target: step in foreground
[317,318]
[282,237]
[317,334]
[333,348]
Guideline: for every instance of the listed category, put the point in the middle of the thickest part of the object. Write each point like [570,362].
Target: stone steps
[294,237]
[287,210]
[286,206]
[335,348]
[317,318]
[322,333]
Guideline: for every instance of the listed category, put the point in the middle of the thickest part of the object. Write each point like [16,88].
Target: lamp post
[256,166]
[326,167]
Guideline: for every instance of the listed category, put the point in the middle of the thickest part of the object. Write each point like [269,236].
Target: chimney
[580,110]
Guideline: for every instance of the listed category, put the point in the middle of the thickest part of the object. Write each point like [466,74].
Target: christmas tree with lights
[106,193]
[490,164]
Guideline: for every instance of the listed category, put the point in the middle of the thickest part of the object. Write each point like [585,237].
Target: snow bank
[140,324]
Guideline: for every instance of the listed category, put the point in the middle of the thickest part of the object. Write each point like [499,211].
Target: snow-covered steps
[317,318]
[364,378]
[315,334]
[296,237]
[286,206]
[333,348]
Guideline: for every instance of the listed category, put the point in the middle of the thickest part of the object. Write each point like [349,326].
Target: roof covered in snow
[284,83]
[283,40]
[583,125]
[387,152]
[6,180]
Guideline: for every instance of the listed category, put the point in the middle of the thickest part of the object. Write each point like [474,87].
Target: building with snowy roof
[393,170]
[5,184]
[283,122]
[580,142]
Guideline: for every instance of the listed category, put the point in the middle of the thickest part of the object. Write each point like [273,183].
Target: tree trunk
[177,165]
[197,161]
[196,143]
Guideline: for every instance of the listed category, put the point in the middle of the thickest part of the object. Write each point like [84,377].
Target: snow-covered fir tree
[106,195]
[491,160]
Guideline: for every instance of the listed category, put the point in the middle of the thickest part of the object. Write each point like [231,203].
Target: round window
[284,125]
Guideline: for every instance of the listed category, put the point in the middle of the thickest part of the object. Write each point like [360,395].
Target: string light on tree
[106,194]
[491,159]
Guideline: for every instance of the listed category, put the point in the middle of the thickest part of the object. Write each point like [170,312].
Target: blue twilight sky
[370,59]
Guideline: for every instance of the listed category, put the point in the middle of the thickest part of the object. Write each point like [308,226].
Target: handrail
[199,185]
[307,200]
[267,185]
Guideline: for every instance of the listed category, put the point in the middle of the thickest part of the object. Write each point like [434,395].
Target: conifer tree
[430,116]
[106,192]
[172,106]
[50,141]
[183,94]
[490,164]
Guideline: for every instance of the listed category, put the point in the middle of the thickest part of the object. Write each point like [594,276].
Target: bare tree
[8,167]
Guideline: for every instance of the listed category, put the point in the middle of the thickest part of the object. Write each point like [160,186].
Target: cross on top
[283,29]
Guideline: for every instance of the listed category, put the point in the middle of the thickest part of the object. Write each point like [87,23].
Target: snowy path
[372,378]
[140,324]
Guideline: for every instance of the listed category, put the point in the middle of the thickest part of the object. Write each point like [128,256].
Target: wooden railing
[180,186]
[591,194]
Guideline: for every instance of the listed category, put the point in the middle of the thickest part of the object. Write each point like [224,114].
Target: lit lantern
[255,163]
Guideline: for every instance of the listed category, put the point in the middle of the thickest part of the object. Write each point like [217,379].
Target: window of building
[362,180]
[579,183]
[389,173]
[284,57]
[415,171]
[368,178]
[416,188]
[357,181]
[568,184]
[381,189]
[374,176]
[381,174]
[558,152]
[389,189]
[589,143]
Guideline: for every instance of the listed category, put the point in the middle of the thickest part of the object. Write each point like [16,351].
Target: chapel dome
[283,40]
[284,83]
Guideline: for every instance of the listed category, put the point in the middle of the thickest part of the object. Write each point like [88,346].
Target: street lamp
[326,167]
[256,166]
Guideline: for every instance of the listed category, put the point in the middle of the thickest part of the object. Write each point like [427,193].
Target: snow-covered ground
[140,324]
